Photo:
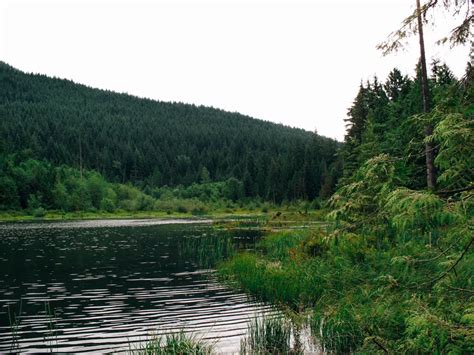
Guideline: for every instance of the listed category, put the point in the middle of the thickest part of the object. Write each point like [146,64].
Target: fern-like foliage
[359,203]
[417,210]
[455,159]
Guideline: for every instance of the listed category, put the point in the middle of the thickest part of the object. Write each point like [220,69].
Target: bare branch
[396,40]
[452,192]
[436,279]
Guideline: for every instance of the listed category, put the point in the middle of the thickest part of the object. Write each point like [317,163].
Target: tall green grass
[270,281]
[174,344]
[267,334]
[14,320]
[279,246]
[362,297]
[50,337]
[208,250]
[279,274]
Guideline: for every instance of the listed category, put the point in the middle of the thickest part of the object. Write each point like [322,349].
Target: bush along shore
[36,189]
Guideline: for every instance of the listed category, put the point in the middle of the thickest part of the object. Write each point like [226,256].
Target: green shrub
[198,210]
[181,209]
[39,212]
[107,205]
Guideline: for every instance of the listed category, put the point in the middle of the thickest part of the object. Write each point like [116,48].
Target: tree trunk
[429,148]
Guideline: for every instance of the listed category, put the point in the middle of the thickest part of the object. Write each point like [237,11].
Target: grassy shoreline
[360,299]
[273,216]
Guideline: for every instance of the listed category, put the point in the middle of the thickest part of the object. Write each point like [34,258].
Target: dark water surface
[109,285]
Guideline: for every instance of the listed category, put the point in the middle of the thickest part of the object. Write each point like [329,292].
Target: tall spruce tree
[413,24]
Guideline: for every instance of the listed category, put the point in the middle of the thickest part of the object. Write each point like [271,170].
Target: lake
[108,285]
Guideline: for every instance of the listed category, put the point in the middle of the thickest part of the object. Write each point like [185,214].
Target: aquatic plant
[175,343]
[14,321]
[267,334]
[52,335]
[208,250]
[279,246]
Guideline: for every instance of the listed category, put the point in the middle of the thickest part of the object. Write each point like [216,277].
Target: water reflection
[106,285]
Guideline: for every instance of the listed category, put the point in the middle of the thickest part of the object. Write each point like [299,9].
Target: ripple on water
[104,286]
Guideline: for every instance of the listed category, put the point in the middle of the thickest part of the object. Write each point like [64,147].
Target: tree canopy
[152,144]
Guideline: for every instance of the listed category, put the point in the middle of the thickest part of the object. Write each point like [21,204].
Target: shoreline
[271,220]
[84,216]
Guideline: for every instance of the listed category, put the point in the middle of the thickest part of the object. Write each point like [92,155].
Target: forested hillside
[152,144]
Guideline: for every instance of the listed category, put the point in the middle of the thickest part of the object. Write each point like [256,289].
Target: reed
[208,250]
[51,337]
[267,334]
[175,343]
[14,321]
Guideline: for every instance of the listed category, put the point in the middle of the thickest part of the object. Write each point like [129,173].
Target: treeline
[37,186]
[386,118]
[152,144]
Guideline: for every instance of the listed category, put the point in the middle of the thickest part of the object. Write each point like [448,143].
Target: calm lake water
[109,285]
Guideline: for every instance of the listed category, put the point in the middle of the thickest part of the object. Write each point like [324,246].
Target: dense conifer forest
[47,123]
[386,118]
[393,270]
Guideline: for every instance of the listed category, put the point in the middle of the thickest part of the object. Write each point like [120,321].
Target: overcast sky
[290,62]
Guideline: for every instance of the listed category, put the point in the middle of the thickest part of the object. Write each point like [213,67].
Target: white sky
[296,63]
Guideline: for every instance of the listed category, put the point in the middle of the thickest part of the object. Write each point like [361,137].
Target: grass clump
[175,343]
[267,335]
[268,280]
[208,250]
[279,246]
[279,273]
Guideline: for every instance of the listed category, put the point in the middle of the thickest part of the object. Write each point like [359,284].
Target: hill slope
[151,143]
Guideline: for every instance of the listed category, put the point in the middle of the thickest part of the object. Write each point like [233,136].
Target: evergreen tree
[149,143]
